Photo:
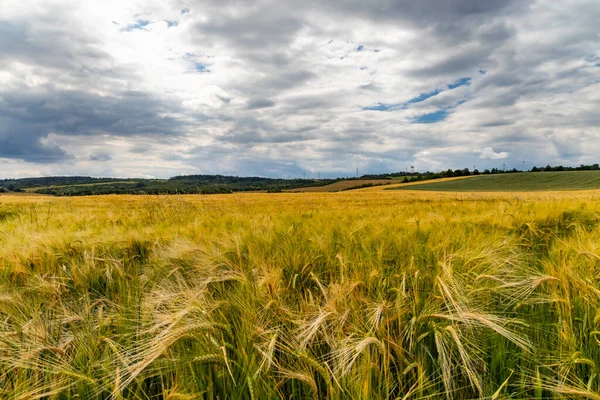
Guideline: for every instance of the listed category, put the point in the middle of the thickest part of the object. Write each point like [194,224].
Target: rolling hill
[516,182]
[189,184]
[347,184]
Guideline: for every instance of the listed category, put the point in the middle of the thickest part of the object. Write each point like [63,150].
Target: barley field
[352,295]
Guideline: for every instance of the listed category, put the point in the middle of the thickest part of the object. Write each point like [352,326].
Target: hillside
[190,184]
[346,184]
[516,182]
[457,180]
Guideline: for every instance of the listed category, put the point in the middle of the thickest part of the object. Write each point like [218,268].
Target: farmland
[351,295]
[188,184]
[347,184]
[518,182]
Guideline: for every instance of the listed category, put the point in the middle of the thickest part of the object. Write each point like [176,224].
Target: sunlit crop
[353,295]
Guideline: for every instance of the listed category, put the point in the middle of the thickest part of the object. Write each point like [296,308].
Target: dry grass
[353,295]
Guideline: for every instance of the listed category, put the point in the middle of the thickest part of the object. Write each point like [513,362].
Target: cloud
[158,88]
[489,154]
[28,117]
[254,104]
[140,24]
[100,156]
[20,147]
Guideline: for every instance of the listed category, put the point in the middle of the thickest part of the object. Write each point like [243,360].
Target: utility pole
[504,167]
[357,172]
[304,175]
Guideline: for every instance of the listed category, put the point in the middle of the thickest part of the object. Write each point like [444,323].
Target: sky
[158,88]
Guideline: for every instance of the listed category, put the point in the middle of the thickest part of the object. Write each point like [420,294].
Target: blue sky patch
[389,107]
[424,96]
[201,68]
[171,24]
[185,11]
[363,48]
[433,117]
[460,82]
[482,71]
[140,24]
[380,107]
[466,81]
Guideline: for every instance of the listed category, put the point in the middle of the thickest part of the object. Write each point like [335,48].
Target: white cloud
[488,153]
[270,88]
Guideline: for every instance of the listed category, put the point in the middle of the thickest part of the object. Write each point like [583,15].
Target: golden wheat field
[355,295]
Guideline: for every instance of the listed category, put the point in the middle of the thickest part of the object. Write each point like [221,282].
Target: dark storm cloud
[100,156]
[426,12]
[25,145]
[254,104]
[28,117]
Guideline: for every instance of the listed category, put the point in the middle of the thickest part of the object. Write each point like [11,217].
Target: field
[188,184]
[352,295]
[84,185]
[519,182]
[345,185]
